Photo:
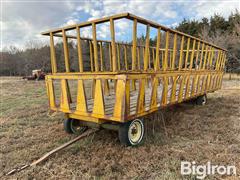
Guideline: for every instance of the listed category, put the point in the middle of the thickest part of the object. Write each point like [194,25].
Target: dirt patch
[182,132]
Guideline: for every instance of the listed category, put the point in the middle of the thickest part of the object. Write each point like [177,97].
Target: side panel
[123,103]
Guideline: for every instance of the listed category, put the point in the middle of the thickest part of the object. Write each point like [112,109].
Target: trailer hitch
[47,155]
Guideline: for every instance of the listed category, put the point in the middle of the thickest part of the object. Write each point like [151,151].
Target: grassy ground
[186,132]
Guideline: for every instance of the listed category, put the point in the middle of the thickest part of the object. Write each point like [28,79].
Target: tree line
[224,32]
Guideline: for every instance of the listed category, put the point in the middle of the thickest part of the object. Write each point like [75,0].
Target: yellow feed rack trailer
[127,81]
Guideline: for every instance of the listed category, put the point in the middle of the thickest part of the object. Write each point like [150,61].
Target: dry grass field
[184,132]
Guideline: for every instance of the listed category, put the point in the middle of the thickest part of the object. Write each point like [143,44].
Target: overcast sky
[23,21]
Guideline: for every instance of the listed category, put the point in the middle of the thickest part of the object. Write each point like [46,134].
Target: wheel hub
[134,131]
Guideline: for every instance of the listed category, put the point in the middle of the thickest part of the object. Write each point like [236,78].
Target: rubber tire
[123,133]
[201,100]
[68,126]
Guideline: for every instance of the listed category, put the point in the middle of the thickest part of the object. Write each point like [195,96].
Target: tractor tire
[72,126]
[201,100]
[131,133]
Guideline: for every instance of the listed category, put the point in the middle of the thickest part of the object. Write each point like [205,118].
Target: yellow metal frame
[194,68]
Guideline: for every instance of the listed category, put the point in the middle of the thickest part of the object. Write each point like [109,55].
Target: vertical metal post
[101,57]
[196,60]
[209,56]
[118,57]
[53,54]
[218,59]
[174,51]
[134,45]
[110,56]
[181,54]
[125,57]
[146,49]
[91,55]
[66,53]
[211,59]
[205,57]
[114,62]
[79,48]
[157,66]
[192,55]
[153,55]
[187,53]
[138,58]
[165,62]
[95,48]
[201,58]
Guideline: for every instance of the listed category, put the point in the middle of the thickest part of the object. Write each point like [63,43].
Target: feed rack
[119,82]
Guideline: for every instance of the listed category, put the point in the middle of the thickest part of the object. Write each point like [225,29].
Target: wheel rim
[135,131]
[204,100]
[77,128]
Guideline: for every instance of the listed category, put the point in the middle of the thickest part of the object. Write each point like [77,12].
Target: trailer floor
[109,100]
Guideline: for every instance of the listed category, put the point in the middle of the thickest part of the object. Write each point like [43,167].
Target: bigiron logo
[202,171]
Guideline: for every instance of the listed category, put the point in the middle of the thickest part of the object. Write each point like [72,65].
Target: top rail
[88,23]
